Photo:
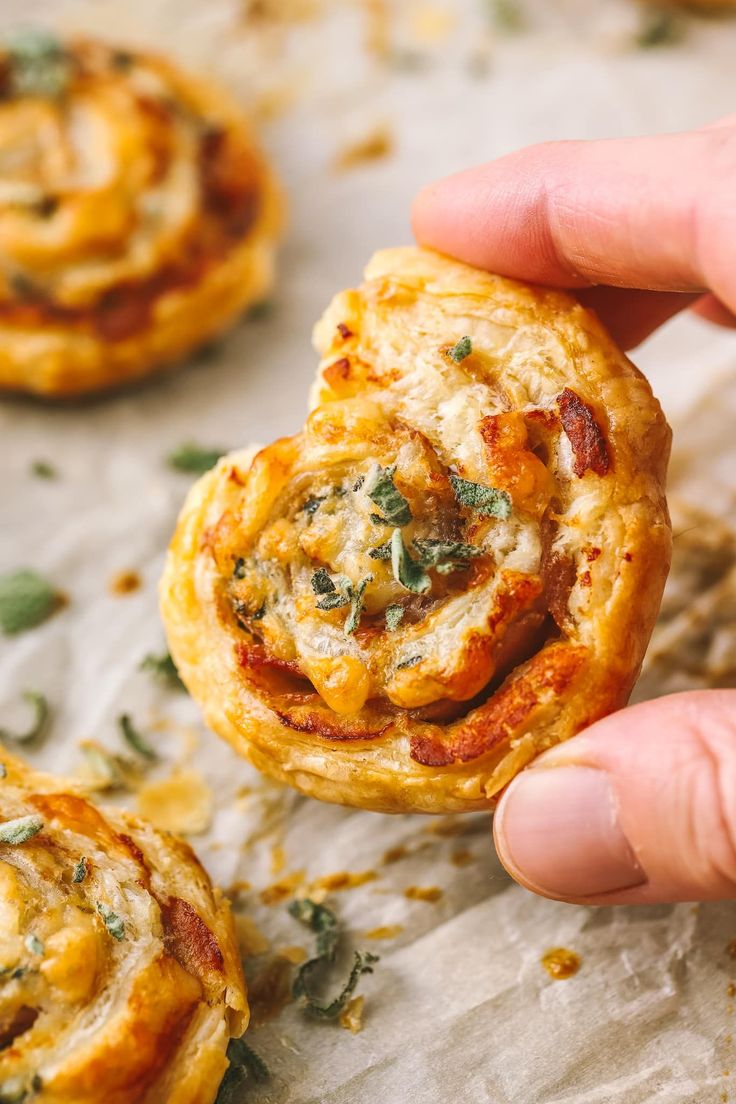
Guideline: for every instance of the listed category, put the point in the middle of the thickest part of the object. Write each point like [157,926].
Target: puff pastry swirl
[137,215]
[120,979]
[458,561]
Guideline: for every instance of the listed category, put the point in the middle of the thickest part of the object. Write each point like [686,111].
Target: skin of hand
[641,807]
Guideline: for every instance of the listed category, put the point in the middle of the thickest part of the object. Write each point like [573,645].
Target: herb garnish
[113,771]
[462,349]
[332,598]
[20,830]
[332,601]
[485,500]
[245,1065]
[313,503]
[410,662]
[407,571]
[33,944]
[395,509]
[194,459]
[163,668]
[39,65]
[42,469]
[445,555]
[382,552]
[322,583]
[506,14]
[112,921]
[134,739]
[26,599]
[324,923]
[660,28]
[356,604]
[394,616]
[80,871]
[40,707]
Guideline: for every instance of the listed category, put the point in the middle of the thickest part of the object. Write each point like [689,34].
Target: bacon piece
[585,435]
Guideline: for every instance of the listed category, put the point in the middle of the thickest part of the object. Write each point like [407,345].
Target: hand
[641,807]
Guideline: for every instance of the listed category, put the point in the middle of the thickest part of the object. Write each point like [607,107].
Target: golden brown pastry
[137,215]
[120,981]
[456,564]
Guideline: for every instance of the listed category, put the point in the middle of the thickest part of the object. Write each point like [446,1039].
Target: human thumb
[638,809]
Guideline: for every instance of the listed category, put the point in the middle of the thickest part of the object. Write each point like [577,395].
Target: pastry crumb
[180,803]
[424,893]
[343,879]
[373,146]
[384,931]
[286,887]
[351,1017]
[561,963]
[124,582]
[462,856]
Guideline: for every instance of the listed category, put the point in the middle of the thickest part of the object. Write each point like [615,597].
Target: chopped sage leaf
[239,569]
[507,15]
[439,553]
[410,662]
[39,65]
[362,964]
[112,922]
[462,349]
[258,312]
[134,739]
[332,601]
[322,583]
[163,668]
[80,871]
[245,1065]
[42,469]
[358,482]
[323,922]
[383,492]
[193,459]
[40,707]
[26,599]
[313,503]
[110,772]
[485,500]
[394,616]
[20,830]
[356,604]
[659,28]
[382,552]
[406,570]
[33,944]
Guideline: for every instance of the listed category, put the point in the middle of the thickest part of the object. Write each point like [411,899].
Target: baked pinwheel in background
[119,975]
[137,215]
[456,564]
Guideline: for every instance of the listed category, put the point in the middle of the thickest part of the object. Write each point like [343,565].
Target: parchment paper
[459,1007]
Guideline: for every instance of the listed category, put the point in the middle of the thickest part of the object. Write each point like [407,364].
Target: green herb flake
[39,65]
[245,1066]
[26,599]
[406,570]
[660,27]
[324,923]
[42,469]
[394,616]
[410,662]
[506,15]
[356,595]
[110,772]
[20,830]
[322,583]
[135,740]
[445,555]
[332,602]
[80,871]
[259,312]
[382,552]
[312,504]
[193,459]
[484,500]
[33,944]
[41,713]
[163,668]
[112,922]
[462,349]
[382,490]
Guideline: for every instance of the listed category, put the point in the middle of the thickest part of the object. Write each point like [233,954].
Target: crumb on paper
[351,1017]
[372,146]
[731,949]
[462,856]
[431,24]
[294,955]
[275,101]
[278,859]
[124,582]
[561,963]
[446,826]
[377,28]
[430,894]
[236,888]
[343,879]
[284,888]
[255,12]
[394,854]
[384,931]
[251,940]
[180,803]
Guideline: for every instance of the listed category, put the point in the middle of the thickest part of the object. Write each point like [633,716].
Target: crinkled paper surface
[459,1007]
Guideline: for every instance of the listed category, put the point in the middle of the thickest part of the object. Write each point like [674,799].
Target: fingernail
[557,831]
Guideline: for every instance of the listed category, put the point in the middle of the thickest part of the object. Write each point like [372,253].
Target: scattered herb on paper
[324,924]
[26,599]
[42,469]
[135,740]
[41,713]
[163,668]
[484,500]
[660,27]
[245,1065]
[194,459]
[506,15]
[20,830]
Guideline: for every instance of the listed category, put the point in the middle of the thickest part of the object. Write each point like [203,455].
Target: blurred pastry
[456,564]
[119,975]
[137,215]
